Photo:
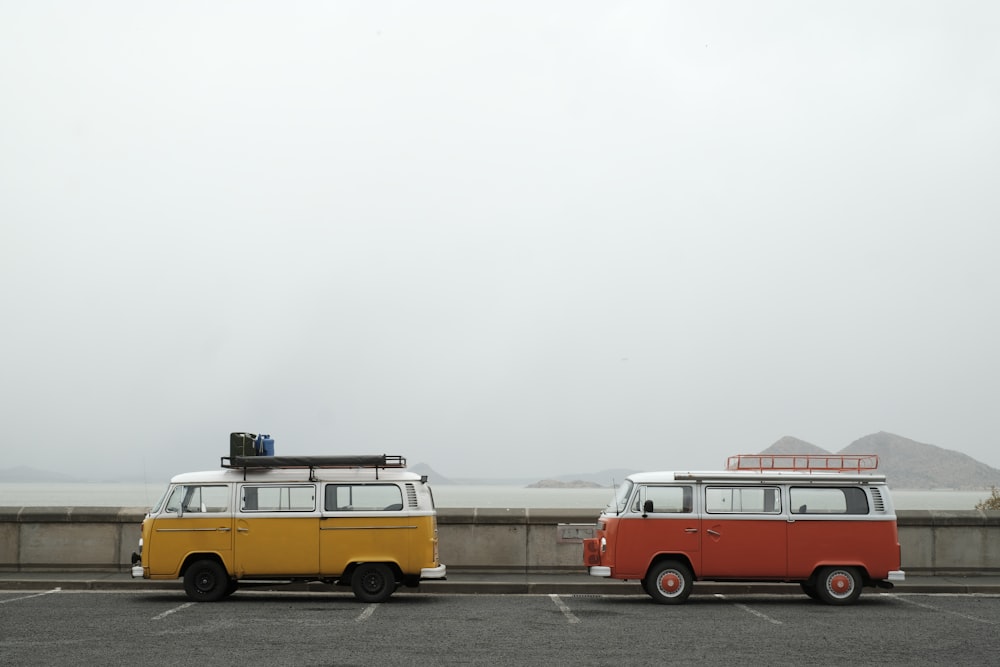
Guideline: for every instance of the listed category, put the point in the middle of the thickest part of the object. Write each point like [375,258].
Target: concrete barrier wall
[485,540]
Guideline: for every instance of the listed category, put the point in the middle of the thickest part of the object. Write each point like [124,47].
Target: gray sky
[501,238]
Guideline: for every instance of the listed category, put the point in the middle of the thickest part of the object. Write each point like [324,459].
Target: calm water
[144,495]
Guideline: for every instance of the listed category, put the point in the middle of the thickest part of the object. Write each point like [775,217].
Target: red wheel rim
[840,584]
[670,583]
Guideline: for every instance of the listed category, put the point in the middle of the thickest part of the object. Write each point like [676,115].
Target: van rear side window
[363,498]
[819,500]
[743,500]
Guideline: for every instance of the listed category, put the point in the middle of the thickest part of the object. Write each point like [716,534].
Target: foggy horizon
[502,239]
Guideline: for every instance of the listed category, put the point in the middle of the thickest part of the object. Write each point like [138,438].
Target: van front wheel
[838,585]
[373,582]
[206,581]
[669,582]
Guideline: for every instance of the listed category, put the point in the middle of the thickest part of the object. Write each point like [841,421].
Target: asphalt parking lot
[160,627]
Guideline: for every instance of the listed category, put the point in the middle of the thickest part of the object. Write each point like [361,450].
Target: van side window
[743,500]
[663,499]
[278,498]
[363,498]
[820,500]
[199,498]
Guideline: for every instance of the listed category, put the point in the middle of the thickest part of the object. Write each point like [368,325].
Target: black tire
[373,582]
[809,589]
[669,582]
[206,581]
[838,585]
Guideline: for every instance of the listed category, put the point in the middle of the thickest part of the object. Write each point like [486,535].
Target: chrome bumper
[433,572]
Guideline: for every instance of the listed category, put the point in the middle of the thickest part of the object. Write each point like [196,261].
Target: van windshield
[620,502]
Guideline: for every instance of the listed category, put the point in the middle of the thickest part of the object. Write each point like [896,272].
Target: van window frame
[642,499]
[855,501]
[330,498]
[711,507]
[288,496]
[187,490]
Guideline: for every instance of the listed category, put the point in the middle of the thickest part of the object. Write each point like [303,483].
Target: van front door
[195,519]
[660,520]
[744,533]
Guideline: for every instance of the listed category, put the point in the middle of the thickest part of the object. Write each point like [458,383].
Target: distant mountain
[560,484]
[790,445]
[606,478]
[433,476]
[907,464]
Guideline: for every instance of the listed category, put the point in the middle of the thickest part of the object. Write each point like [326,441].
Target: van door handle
[713,533]
[690,530]
[242,530]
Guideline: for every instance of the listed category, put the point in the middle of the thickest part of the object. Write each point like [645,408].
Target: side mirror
[647,507]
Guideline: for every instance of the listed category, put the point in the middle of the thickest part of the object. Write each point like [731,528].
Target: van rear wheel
[373,582]
[206,581]
[669,582]
[838,585]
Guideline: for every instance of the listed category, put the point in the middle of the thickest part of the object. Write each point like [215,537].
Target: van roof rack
[804,462]
[375,461]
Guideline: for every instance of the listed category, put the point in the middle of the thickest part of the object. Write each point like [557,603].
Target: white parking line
[28,597]
[570,616]
[366,614]
[751,610]
[943,611]
[172,611]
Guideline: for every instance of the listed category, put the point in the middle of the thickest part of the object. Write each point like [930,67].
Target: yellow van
[358,521]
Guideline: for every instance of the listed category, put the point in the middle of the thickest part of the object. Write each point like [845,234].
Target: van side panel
[276,545]
[346,539]
[815,541]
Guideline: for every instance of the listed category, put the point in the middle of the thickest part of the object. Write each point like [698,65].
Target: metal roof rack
[804,462]
[374,461]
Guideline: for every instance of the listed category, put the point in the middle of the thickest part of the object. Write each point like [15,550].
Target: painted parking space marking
[172,611]
[931,607]
[564,608]
[750,610]
[28,597]
[366,614]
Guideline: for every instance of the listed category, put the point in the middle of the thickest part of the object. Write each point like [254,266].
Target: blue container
[264,444]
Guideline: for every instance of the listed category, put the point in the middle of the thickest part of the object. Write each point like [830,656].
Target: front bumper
[600,571]
[137,571]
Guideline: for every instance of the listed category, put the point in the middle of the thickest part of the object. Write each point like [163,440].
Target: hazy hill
[433,476]
[790,445]
[907,464]
[607,478]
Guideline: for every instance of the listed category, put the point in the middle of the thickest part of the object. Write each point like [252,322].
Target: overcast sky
[502,238]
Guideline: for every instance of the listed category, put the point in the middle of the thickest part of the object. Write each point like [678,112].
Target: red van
[818,521]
